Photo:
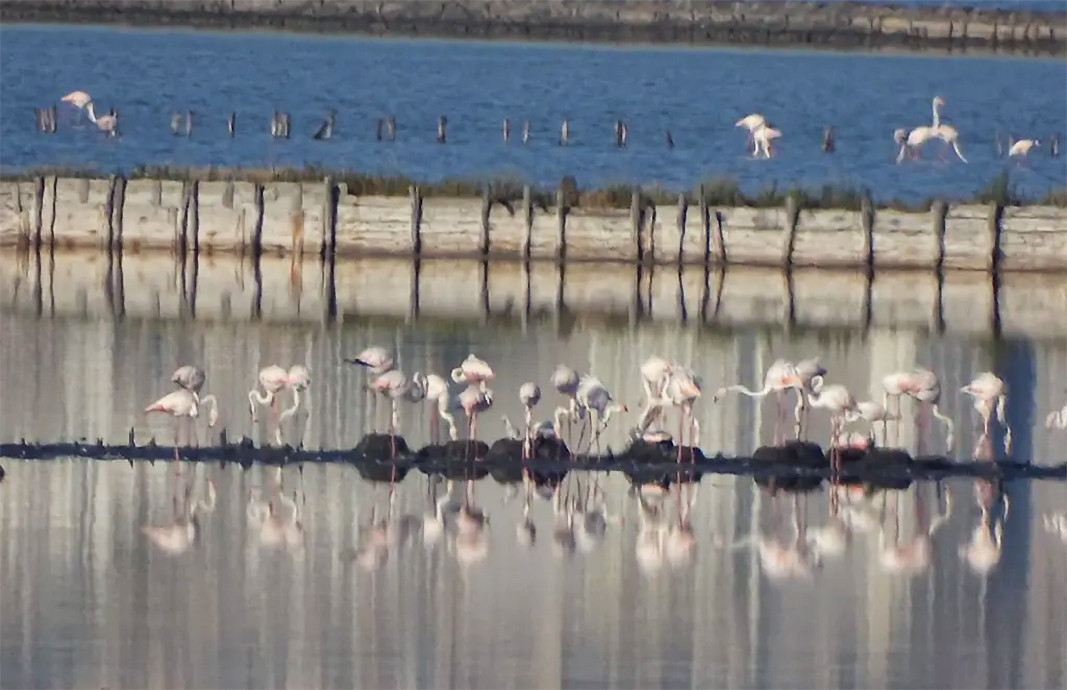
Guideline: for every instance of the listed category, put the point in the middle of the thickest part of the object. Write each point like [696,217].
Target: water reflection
[367,583]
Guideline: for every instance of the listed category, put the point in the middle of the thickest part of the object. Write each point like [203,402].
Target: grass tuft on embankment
[716,191]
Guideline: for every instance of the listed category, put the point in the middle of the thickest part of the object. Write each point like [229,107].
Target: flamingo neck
[91,112]
[937,113]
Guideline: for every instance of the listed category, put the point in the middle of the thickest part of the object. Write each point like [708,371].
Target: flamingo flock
[587,401]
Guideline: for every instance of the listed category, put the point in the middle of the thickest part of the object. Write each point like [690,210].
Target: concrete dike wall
[323,219]
[838,25]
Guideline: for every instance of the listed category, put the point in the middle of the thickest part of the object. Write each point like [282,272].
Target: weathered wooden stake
[332,199]
[938,212]
[636,233]
[670,140]
[527,219]
[257,227]
[378,125]
[442,125]
[507,131]
[194,215]
[789,229]
[296,218]
[38,211]
[720,239]
[828,140]
[487,205]
[118,212]
[867,222]
[561,230]
[109,211]
[525,131]
[683,212]
[227,194]
[705,224]
[995,229]
[564,133]
[231,124]
[52,216]
[416,220]
[183,233]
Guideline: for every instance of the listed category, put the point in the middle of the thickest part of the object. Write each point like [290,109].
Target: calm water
[697,94]
[339,588]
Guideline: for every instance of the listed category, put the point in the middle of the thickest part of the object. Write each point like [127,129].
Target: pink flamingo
[923,386]
[529,396]
[473,371]
[565,380]
[839,402]
[593,396]
[654,374]
[475,400]
[751,123]
[189,377]
[183,403]
[988,390]
[377,360]
[437,392]
[762,138]
[79,99]
[106,123]
[396,384]
[273,379]
[681,390]
[781,376]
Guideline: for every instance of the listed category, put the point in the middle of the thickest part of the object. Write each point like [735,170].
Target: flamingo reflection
[914,555]
[780,557]
[982,552]
[176,538]
[275,520]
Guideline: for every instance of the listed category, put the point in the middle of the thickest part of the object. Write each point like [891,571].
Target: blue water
[697,93]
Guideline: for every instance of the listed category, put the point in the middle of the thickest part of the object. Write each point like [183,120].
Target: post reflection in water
[134,575]
[317,578]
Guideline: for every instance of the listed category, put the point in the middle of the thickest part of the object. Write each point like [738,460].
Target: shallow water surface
[207,575]
[697,94]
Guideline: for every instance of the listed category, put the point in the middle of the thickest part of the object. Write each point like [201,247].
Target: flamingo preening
[272,379]
[375,359]
[106,123]
[751,123]
[839,403]
[184,404]
[990,395]
[923,386]
[79,99]
[529,396]
[398,386]
[473,371]
[437,392]
[593,396]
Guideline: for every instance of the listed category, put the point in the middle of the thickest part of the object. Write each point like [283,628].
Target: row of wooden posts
[642,223]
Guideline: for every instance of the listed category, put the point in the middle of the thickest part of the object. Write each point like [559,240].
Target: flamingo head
[938,100]
[457,375]
[816,384]
[719,395]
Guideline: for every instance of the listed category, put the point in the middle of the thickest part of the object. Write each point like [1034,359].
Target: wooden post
[487,205]
[183,233]
[194,215]
[720,239]
[683,212]
[416,220]
[155,194]
[789,230]
[257,227]
[227,195]
[442,126]
[109,211]
[705,224]
[561,231]
[938,211]
[296,219]
[527,218]
[118,212]
[83,190]
[332,198]
[38,211]
[635,225]
[867,223]
[995,229]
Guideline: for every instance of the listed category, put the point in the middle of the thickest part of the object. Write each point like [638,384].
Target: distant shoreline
[765,23]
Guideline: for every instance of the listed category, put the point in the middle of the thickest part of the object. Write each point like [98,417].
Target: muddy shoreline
[796,25]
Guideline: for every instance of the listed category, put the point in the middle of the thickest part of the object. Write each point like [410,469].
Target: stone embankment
[245,218]
[836,25]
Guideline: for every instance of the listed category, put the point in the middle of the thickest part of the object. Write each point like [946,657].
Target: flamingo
[529,396]
[836,399]
[751,123]
[900,137]
[988,390]
[1057,419]
[950,135]
[275,527]
[1022,147]
[397,386]
[183,403]
[654,374]
[922,134]
[923,386]
[872,413]
[781,376]
[473,371]
[106,123]
[437,392]
[377,360]
[806,369]
[593,395]
[78,99]
[762,138]
[298,379]
[475,400]
[273,379]
[189,377]
[682,389]
[565,380]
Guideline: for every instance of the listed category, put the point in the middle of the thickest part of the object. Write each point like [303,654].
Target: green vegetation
[717,191]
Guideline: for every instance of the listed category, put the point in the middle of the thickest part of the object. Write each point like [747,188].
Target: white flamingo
[751,123]
[762,138]
[1021,148]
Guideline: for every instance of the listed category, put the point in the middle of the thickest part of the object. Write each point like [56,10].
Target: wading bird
[529,396]
[923,386]
[183,403]
[751,123]
[474,400]
[272,379]
[105,123]
[990,395]
[1020,148]
[473,371]
[836,399]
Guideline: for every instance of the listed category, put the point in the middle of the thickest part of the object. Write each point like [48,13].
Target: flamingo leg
[177,431]
[392,429]
[681,432]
